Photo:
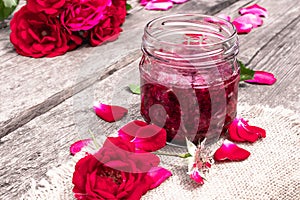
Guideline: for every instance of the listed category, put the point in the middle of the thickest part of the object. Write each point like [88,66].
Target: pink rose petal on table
[195,175]
[254,9]
[158,175]
[128,131]
[77,146]
[144,2]
[150,138]
[179,1]
[230,151]
[159,5]
[255,20]
[264,78]
[109,113]
[242,28]
[240,131]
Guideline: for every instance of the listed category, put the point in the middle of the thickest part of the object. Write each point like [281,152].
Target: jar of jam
[189,76]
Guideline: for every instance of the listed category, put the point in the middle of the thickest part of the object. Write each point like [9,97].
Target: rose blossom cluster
[53,27]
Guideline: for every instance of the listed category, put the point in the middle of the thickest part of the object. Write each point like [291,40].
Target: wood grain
[46,104]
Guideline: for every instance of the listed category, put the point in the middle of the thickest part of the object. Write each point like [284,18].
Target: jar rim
[214,19]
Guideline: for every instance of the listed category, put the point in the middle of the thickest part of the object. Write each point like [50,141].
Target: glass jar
[189,76]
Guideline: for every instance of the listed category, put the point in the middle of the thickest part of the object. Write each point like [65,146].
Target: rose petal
[179,1]
[257,130]
[255,20]
[77,146]
[230,151]
[144,2]
[264,78]
[159,5]
[242,28]
[109,113]
[254,9]
[246,133]
[195,175]
[233,131]
[128,132]
[158,175]
[150,138]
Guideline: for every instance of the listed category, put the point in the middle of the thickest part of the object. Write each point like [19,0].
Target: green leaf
[184,155]
[7,7]
[246,73]
[135,89]
[128,6]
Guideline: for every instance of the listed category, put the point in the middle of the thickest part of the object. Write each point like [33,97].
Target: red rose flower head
[37,35]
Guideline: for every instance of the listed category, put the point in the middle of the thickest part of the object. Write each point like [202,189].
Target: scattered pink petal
[233,131]
[159,5]
[144,2]
[223,16]
[128,131]
[109,113]
[240,131]
[150,138]
[158,175]
[264,78]
[242,28]
[179,1]
[230,151]
[195,175]
[77,146]
[255,20]
[254,9]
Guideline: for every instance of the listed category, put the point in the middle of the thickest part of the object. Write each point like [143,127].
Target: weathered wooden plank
[38,81]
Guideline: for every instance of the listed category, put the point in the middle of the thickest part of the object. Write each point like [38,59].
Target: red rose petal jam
[189,76]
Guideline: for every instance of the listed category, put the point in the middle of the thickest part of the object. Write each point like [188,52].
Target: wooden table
[46,103]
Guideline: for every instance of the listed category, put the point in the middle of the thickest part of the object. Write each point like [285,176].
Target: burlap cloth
[271,172]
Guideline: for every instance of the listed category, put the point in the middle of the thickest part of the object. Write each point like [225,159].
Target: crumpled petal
[242,28]
[128,131]
[158,175]
[195,175]
[109,113]
[240,131]
[150,138]
[264,78]
[255,20]
[254,9]
[159,5]
[230,151]
[77,146]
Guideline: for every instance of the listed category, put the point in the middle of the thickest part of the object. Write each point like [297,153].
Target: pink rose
[109,27]
[50,7]
[37,35]
[116,171]
[82,14]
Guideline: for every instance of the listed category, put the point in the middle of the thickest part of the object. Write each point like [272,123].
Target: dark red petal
[109,113]
[255,20]
[233,131]
[129,131]
[77,146]
[254,9]
[230,151]
[242,28]
[261,77]
[150,138]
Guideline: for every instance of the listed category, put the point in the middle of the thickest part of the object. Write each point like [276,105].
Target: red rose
[50,7]
[83,15]
[109,27]
[37,35]
[117,172]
